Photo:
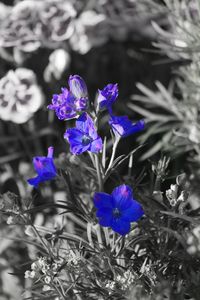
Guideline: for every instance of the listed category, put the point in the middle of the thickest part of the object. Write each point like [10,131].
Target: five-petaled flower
[70,103]
[44,167]
[107,96]
[123,127]
[118,210]
[84,136]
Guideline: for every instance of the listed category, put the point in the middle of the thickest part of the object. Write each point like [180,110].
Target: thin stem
[92,159]
[59,292]
[99,237]
[42,241]
[89,234]
[113,153]
[106,234]
[99,173]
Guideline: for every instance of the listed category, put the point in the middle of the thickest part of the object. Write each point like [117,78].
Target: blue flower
[123,127]
[118,210]
[107,96]
[69,103]
[84,136]
[44,167]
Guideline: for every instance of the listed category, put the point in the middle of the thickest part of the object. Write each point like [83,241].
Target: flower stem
[116,142]
[99,173]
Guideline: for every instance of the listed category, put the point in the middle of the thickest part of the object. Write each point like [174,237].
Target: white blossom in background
[21,27]
[4,11]
[20,96]
[59,61]
[87,30]
[32,24]
[56,19]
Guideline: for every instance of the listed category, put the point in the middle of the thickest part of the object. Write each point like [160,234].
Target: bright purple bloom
[69,103]
[118,210]
[78,87]
[84,136]
[107,96]
[44,167]
[123,127]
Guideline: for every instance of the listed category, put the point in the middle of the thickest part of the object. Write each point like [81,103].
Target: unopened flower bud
[78,87]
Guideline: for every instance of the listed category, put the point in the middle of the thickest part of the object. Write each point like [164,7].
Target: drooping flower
[20,96]
[44,167]
[84,136]
[107,96]
[123,127]
[118,210]
[69,103]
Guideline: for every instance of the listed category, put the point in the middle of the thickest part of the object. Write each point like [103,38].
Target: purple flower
[78,87]
[118,210]
[123,127]
[107,96]
[70,103]
[44,167]
[84,136]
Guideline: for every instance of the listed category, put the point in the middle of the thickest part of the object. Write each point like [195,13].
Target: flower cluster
[119,209]
[20,96]
[123,282]
[74,101]
[69,103]
[41,269]
[126,280]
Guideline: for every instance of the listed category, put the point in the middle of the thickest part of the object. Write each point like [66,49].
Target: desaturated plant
[174,113]
[130,241]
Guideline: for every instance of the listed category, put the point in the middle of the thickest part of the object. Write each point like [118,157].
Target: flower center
[116,213]
[86,140]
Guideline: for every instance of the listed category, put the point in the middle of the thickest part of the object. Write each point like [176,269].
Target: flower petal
[138,126]
[85,124]
[106,221]
[75,139]
[103,200]
[122,196]
[34,181]
[78,86]
[107,96]
[120,226]
[122,126]
[133,213]
[104,211]
[96,145]
[44,164]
